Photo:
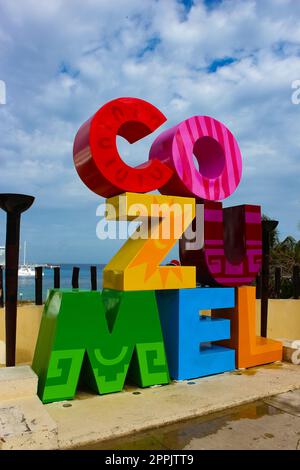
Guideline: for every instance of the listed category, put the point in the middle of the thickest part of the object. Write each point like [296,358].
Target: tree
[284,254]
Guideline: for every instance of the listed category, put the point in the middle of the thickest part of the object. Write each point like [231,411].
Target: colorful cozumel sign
[145,324]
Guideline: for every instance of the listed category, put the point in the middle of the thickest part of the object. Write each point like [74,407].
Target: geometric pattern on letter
[232,251]
[136,265]
[93,335]
[217,152]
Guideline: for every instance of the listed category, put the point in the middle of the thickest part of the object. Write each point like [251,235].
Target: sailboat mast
[24,253]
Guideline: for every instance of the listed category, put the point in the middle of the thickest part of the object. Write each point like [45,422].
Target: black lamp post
[13,205]
[267,227]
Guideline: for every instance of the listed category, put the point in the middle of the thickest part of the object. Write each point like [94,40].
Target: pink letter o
[216,151]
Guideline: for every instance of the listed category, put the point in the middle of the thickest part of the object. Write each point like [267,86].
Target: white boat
[26,270]
[2,256]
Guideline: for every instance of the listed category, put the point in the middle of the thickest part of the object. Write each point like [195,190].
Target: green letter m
[96,336]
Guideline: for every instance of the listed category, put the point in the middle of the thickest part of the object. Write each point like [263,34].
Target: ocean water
[27,285]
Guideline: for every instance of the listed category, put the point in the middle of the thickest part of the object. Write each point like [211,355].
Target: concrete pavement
[158,417]
[24,422]
[254,426]
[91,418]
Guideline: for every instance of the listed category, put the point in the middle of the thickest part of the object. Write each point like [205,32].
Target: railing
[74,282]
[280,287]
[38,281]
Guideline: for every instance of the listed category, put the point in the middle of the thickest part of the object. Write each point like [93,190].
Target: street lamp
[13,205]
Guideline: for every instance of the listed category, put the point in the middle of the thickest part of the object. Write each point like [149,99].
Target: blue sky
[61,60]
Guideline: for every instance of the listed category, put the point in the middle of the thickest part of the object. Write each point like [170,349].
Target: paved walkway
[272,423]
[257,408]
[90,418]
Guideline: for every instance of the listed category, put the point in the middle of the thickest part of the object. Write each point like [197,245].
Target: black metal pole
[267,227]
[38,285]
[56,277]
[11,284]
[13,205]
[258,286]
[93,277]
[1,288]
[75,278]
[277,282]
[296,281]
